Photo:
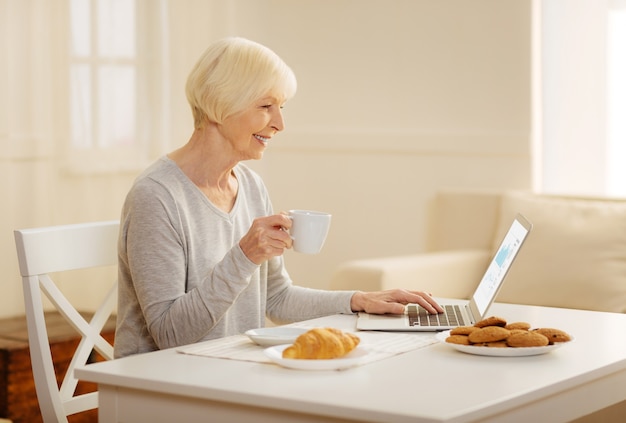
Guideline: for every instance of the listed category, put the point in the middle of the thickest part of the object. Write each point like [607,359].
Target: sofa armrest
[452,274]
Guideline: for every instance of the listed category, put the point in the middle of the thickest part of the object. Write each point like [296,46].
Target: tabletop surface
[434,383]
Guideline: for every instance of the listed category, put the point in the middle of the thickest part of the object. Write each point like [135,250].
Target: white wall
[396,100]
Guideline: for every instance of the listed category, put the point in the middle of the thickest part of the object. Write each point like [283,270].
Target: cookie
[463,330]
[458,339]
[527,339]
[496,344]
[554,335]
[518,325]
[491,321]
[488,334]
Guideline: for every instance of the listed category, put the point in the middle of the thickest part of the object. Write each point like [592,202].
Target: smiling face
[248,132]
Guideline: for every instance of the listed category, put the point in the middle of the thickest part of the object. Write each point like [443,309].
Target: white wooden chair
[52,249]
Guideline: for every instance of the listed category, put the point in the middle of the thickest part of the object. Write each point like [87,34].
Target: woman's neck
[208,168]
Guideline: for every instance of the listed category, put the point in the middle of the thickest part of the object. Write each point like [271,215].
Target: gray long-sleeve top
[183,277]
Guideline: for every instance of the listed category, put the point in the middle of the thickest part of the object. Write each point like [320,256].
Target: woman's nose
[278,122]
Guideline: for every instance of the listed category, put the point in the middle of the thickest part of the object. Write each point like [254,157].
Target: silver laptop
[464,313]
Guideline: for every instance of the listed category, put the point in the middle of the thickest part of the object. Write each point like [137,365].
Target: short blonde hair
[231,75]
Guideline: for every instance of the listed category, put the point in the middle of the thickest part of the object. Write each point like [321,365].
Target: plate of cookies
[494,336]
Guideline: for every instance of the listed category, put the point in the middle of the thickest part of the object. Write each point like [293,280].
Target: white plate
[267,337]
[499,352]
[276,355]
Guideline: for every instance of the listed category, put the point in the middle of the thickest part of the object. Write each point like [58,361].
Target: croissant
[322,343]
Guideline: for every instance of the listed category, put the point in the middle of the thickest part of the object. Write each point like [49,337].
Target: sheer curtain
[30,43]
[46,178]
[583,138]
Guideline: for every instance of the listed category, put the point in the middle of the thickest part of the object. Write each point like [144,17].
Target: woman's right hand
[266,238]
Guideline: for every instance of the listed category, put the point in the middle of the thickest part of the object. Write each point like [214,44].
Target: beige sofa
[575,256]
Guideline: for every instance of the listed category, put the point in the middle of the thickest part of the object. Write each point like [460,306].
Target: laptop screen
[494,276]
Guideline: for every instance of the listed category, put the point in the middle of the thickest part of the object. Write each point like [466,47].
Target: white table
[431,384]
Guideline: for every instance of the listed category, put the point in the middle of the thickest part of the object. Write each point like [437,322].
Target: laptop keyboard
[418,316]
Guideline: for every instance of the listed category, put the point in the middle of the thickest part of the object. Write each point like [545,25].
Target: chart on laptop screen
[499,266]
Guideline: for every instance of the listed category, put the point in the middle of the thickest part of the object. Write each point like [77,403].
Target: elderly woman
[200,247]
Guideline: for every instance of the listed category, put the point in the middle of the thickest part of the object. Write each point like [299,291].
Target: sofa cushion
[575,255]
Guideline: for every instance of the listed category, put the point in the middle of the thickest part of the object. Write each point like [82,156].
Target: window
[616,75]
[112,65]
[583,97]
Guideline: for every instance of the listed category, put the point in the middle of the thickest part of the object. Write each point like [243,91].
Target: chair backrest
[42,251]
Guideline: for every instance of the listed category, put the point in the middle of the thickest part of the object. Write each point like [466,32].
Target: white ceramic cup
[309,230]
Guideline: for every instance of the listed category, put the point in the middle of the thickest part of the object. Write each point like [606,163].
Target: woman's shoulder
[160,168]
[160,176]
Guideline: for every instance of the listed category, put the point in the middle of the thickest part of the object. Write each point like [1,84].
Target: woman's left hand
[392,301]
